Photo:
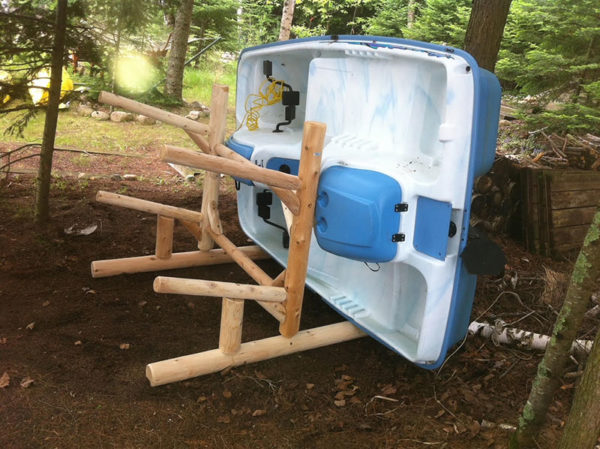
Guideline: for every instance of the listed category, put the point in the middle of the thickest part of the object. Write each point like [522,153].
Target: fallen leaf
[224,419]
[78,343]
[310,386]
[355,400]
[201,399]
[124,346]
[340,395]
[346,377]
[259,412]
[459,428]
[226,394]
[388,390]
[4,380]
[26,382]
[350,392]
[3,341]
[142,303]
[474,427]
[340,403]
[30,326]
[342,384]
[46,303]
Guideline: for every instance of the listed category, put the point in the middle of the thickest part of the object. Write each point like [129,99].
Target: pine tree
[390,18]
[441,22]
[26,44]
[551,50]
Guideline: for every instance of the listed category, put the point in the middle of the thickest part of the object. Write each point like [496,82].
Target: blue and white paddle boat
[409,127]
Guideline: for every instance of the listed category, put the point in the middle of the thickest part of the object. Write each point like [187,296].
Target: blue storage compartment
[356,215]
[432,227]
[285,165]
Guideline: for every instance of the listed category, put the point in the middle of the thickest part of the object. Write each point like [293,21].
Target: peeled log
[155,113]
[181,368]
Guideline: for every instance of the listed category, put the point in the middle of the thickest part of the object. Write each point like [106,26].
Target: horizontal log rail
[152,112]
[186,367]
[199,287]
[142,264]
[218,164]
[151,207]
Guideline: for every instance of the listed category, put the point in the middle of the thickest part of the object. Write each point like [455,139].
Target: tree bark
[583,425]
[568,322]
[411,11]
[485,29]
[286,19]
[47,150]
[181,32]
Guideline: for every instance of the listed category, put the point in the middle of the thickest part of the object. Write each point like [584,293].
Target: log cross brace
[282,297]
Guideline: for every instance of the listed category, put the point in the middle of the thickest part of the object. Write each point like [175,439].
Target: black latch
[264,199]
[401,207]
[398,238]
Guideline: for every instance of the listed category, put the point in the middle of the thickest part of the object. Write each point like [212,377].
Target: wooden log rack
[282,296]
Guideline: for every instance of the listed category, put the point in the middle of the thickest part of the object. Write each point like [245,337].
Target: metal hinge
[398,238]
[401,207]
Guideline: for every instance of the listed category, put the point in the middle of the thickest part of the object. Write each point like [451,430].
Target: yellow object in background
[5,78]
[41,84]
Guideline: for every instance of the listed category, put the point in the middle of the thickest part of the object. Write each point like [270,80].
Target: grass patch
[86,133]
[105,136]
[198,81]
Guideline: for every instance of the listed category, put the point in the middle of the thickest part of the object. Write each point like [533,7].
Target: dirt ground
[84,342]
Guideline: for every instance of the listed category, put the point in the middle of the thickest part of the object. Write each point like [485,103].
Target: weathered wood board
[557,208]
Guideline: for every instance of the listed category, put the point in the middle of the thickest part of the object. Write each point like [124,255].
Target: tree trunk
[286,19]
[583,425]
[47,150]
[113,83]
[485,29]
[410,16]
[181,32]
[550,369]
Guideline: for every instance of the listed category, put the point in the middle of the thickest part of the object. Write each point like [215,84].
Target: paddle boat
[410,126]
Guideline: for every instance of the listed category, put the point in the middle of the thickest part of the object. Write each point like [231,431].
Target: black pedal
[482,255]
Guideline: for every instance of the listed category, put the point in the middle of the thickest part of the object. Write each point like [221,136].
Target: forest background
[549,61]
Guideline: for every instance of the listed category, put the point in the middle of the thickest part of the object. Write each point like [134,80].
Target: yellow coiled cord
[269,93]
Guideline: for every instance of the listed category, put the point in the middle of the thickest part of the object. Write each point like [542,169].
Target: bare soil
[85,342]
